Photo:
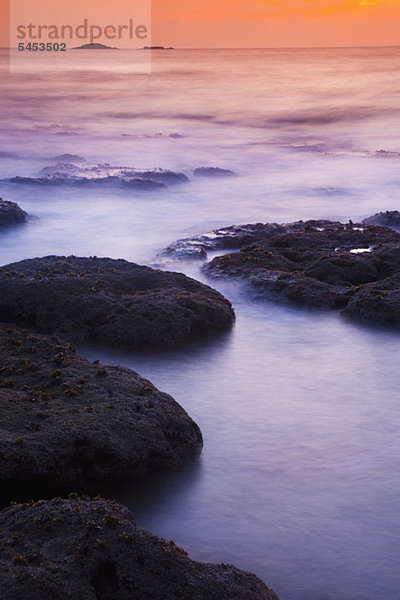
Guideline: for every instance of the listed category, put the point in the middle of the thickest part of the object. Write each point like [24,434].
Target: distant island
[157,48]
[95,47]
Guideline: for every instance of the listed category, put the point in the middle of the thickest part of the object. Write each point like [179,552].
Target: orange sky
[244,23]
[265,23]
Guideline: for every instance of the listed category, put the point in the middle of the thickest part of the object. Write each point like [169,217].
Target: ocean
[299,478]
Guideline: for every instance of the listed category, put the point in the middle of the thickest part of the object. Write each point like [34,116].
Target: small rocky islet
[353,268]
[82,549]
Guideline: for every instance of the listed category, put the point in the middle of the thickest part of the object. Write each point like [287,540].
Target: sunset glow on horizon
[251,23]
[276,23]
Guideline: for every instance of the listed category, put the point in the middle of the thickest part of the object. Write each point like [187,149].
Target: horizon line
[250,47]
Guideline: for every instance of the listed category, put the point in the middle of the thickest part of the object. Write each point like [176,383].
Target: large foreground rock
[65,421]
[77,549]
[110,301]
[11,214]
[350,267]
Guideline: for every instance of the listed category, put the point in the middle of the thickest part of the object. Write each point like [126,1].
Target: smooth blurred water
[298,480]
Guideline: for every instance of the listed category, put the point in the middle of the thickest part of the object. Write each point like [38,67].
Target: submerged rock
[65,421]
[143,184]
[69,172]
[166,177]
[137,183]
[213,172]
[111,301]
[32,181]
[387,154]
[11,214]
[96,173]
[389,218]
[321,264]
[76,548]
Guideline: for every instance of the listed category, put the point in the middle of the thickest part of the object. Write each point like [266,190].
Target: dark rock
[157,48]
[110,301]
[377,303]
[167,177]
[94,46]
[320,264]
[11,214]
[213,172]
[226,238]
[144,184]
[70,173]
[76,548]
[65,421]
[36,181]
[387,154]
[312,263]
[389,218]
[134,183]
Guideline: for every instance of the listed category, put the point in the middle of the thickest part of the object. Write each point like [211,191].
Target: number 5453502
[42,47]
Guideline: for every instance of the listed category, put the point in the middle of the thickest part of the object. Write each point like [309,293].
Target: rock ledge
[109,301]
[81,549]
[70,423]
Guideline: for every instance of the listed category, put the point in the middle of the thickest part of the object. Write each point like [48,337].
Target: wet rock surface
[233,237]
[78,173]
[68,422]
[377,302]
[110,301]
[81,549]
[137,183]
[354,268]
[389,218]
[11,214]
[213,172]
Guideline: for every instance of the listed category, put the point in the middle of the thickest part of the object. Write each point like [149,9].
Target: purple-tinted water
[298,480]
